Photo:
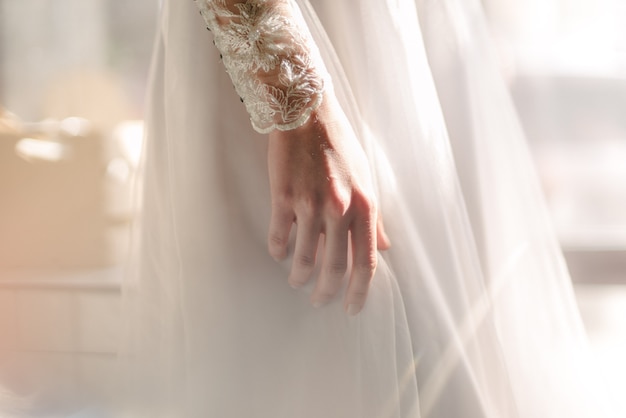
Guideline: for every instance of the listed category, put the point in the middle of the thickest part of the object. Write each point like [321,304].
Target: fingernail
[386,242]
[295,285]
[279,255]
[353,309]
[319,303]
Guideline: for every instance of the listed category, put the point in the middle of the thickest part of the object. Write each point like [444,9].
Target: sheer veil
[472,312]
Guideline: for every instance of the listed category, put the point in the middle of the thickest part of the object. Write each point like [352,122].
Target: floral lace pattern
[270,58]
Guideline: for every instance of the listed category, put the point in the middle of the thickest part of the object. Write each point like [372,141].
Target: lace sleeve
[270,57]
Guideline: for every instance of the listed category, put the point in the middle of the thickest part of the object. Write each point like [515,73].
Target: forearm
[271,58]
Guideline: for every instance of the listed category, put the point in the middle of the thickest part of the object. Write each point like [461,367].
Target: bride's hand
[320,179]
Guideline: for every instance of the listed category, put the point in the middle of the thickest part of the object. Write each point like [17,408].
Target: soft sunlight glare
[129,135]
[36,149]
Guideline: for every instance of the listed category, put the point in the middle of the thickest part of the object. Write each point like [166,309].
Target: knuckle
[277,241]
[336,207]
[310,206]
[366,267]
[358,294]
[305,261]
[361,202]
[324,295]
[337,268]
[282,199]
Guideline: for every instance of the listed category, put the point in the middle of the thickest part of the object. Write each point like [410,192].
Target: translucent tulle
[471,312]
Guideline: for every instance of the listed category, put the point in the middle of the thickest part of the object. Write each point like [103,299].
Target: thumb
[382,240]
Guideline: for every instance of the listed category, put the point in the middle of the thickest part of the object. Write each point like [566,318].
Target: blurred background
[73,77]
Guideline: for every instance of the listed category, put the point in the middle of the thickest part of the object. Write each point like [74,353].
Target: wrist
[316,126]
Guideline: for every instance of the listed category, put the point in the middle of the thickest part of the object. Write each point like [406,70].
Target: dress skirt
[471,312]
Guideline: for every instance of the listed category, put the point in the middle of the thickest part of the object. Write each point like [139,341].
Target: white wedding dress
[471,312]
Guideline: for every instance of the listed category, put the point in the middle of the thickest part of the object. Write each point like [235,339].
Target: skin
[320,181]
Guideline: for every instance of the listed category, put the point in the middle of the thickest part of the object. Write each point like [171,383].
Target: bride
[340,219]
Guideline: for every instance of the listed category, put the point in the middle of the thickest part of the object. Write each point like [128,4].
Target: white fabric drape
[471,313]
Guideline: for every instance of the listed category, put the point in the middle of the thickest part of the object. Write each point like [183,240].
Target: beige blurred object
[93,95]
[64,196]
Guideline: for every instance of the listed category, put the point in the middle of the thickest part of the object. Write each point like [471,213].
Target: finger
[334,265]
[278,236]
[382,240]
[307,238]
[364,260]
